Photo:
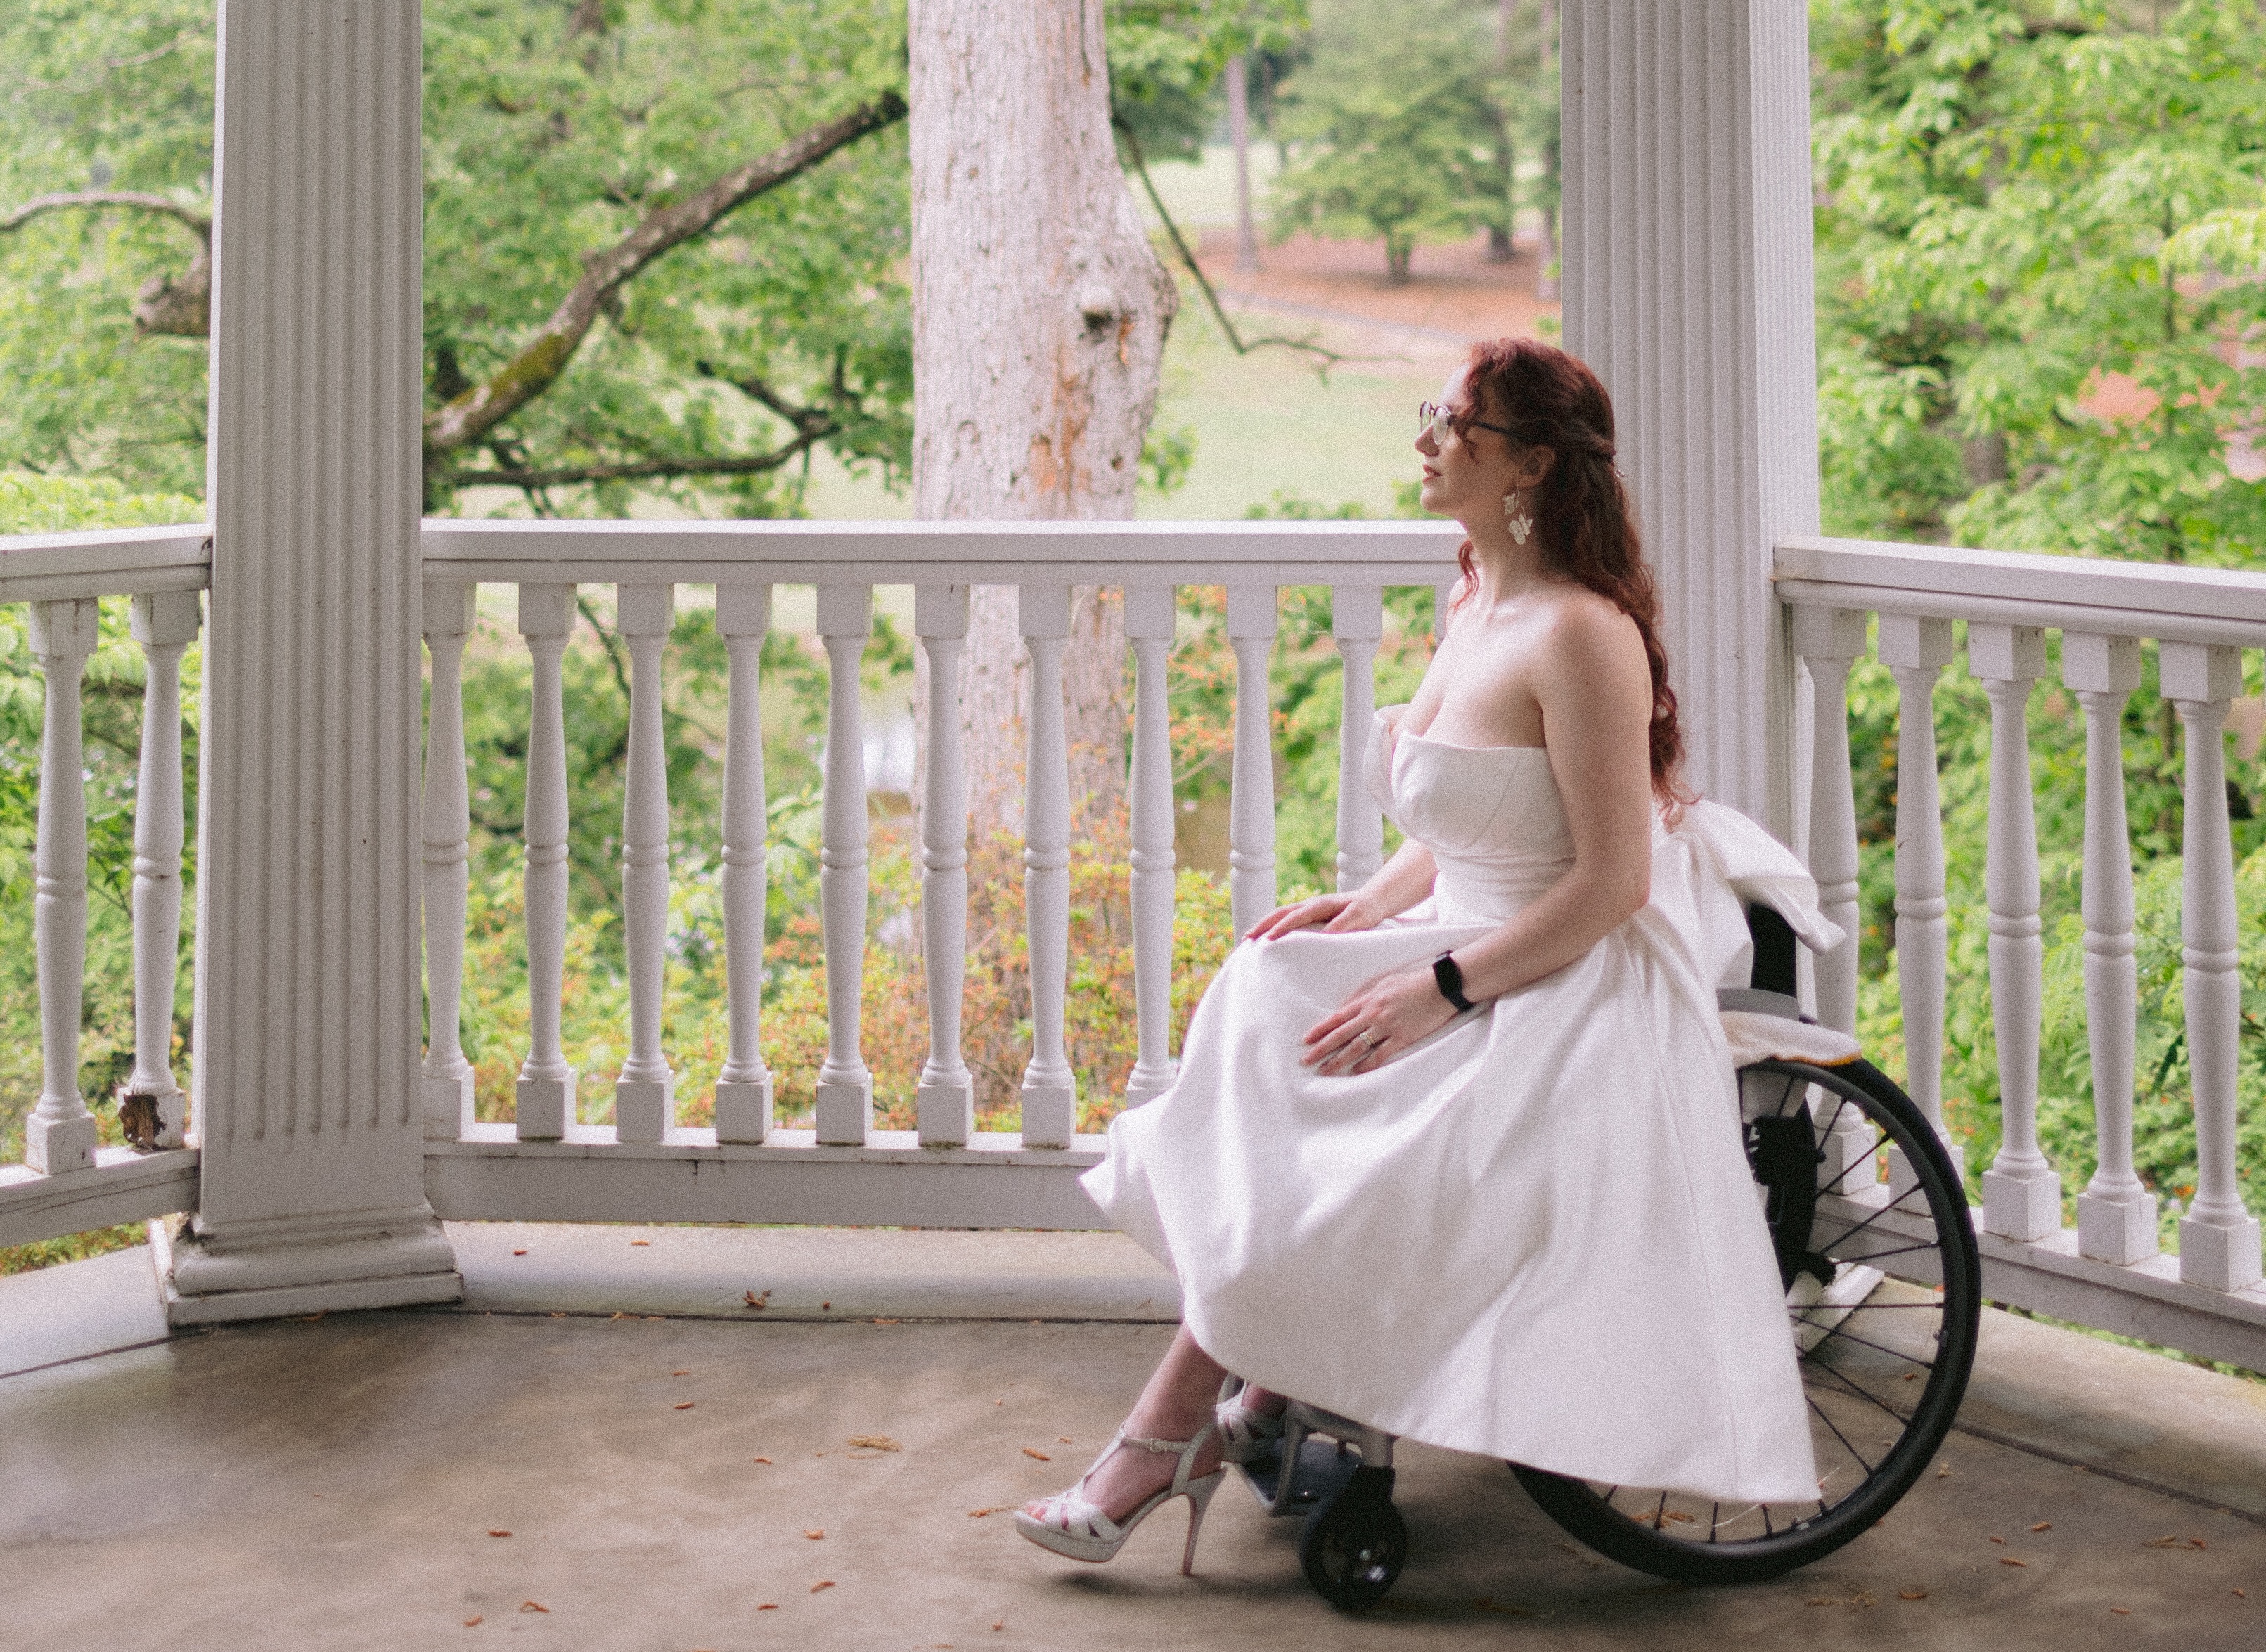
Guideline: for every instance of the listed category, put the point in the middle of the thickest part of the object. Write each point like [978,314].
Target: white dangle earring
[1521,523]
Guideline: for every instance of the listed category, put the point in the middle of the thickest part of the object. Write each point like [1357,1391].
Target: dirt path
[1453,295]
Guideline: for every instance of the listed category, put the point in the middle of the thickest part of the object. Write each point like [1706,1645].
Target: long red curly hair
[1581,511]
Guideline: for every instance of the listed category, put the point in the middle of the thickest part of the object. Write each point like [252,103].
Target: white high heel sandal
[1072,1526]
[1247,1435]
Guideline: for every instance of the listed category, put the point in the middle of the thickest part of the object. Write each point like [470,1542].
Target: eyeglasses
[1439,421]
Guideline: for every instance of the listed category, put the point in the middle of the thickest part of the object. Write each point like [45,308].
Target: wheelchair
[1883,1283]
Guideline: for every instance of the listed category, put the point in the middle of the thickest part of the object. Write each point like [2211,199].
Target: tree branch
[537,366]
[93,199]
[647,470]
[178,305]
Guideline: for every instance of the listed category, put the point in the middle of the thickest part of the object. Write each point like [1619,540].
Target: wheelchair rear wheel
[1884,1293]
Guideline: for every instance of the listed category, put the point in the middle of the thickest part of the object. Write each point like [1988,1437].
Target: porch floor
[340,1484]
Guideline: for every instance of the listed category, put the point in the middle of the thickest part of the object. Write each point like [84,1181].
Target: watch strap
[1450,976]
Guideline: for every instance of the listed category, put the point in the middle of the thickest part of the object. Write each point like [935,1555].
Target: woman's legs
[1176,1403]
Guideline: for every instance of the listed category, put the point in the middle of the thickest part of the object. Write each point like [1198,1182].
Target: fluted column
[1688,281]
[306,1077]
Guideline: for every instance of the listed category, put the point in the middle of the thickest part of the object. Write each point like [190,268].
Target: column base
[1049,1114]
[1146,1085]
[55,1146]
[743,1110]
[843,1112]
[944,1114]
[2218,1258]
[2118,1230]
[2022,1206]
[263,1269]
[447,1105]
[644,1108]
[546,1107]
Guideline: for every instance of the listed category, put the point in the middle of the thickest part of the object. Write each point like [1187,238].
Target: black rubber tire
[1636,1533]
[1356,1543]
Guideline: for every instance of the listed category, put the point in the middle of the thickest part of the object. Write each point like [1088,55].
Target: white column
[60,1135]
[546,1084]
[2219,1239]
[1049,1086]
[2021,1194]
[164,625]
[1916,650]
[1251,620]
[446,1085]
[2115,1213]
[1828,641]
[1150,614]
[943,1102]
[1688,280]
[845,1088]
[1358,622]
[311,1175]
[743,1088]
[645,1094]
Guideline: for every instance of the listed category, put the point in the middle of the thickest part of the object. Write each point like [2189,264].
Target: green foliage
[2007,353]
[1167,56]
[1390,121]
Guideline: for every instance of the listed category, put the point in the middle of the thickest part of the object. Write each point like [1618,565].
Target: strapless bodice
[1490,815]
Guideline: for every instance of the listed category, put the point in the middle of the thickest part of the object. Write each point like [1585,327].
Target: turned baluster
[844,1108]
[2219,1237]
[1829,641]
[2021,1194]
[1915,651]
[1358,622]
[744,1087]
[164,625]
[2115,1213]
[60,1135]
[944,1105]
[1150,616]
[546,1083]
[1049,1086]
[1250,787]
[645,1093]
[446,1082]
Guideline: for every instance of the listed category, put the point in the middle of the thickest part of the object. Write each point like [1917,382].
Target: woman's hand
[1333,914]
[1380,1020]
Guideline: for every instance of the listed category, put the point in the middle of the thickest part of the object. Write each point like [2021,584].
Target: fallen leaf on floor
[1000,1625]
[498,1534]
[2199,1543]
[769,1606]
[1912,1593]
[815,1534]
[558,1313]
[309,1318]
[888,1321]
[978,1513]
[999,1402]
[617,1316]
[680,1373]
[2008,1560]
[1033,1452]
[1943,1471]
[764,1460]
[1998,1540]
[2043,1525]
[2122,1611]
[1062,1439]
[823,1306]
[1909,1376]
[533,1606]
[2165,1542]
[640,1241]
[823,1583]
[755,1301]
[472,1622]
[682,1405]
[522,1251]
[2239,1595]
[875,1443]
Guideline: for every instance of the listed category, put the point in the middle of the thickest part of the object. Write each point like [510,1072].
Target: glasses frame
[1438,421]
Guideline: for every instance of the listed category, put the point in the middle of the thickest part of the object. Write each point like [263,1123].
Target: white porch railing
[945,1173]
[2105,1271]
[67,1182]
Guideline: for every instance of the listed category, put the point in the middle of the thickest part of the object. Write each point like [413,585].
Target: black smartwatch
[1451,979]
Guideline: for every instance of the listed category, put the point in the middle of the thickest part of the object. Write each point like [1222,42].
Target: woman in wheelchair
[1458,1155]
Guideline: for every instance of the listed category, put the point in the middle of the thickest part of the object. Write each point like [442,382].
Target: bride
[1458,1154]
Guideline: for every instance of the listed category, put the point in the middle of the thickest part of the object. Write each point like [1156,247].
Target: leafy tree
[2012,190]
[1394,126]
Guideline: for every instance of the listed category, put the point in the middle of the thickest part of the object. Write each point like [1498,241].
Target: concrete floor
[337,1484]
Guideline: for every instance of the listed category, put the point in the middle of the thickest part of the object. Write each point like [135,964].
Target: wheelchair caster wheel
[1356,1542]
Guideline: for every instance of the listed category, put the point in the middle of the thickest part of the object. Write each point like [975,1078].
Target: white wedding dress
[1532,1236]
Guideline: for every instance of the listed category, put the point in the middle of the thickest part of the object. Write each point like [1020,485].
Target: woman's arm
[1594,688]
[1399,884]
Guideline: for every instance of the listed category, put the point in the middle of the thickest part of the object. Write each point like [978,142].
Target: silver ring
[1367,1038]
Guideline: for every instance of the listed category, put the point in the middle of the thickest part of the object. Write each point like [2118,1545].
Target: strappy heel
[1072,1526]
[1247,1435]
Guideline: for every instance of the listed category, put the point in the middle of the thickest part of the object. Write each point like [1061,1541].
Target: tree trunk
[1038,321]
[1238,137]
[1506,151]
[1545,271]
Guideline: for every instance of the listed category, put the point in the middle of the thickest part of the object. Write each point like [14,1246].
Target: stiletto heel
[1200,1493]
[1072,1526]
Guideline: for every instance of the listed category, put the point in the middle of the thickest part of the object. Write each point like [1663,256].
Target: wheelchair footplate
[1338,1474]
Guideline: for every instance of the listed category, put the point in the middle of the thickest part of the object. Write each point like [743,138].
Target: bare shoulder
[1589,633]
